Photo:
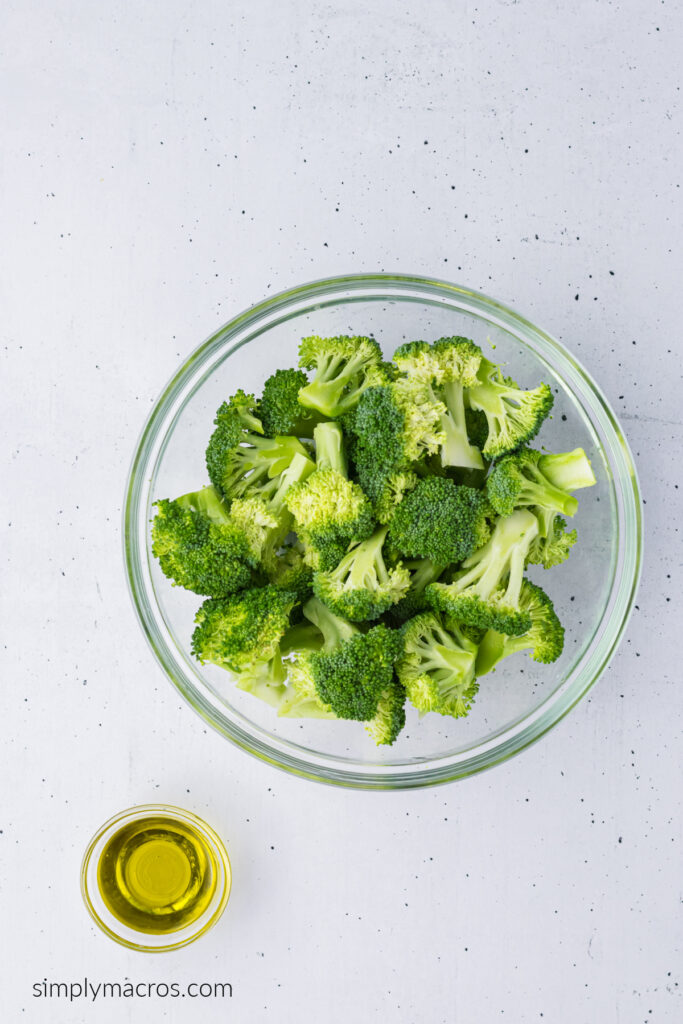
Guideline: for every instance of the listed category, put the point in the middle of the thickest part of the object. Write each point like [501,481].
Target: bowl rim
[513,738]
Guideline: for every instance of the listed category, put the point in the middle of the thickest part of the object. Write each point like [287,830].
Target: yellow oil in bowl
[157,875]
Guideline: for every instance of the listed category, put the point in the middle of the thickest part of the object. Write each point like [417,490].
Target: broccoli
[544,639]
[437,668]
[329,510]
[289,571]
[344,367]
[486,592]
[241,462]
[199,547]
[440,521]
[351,670]
[423,571]
[390,717]
[523,480]
[267,679]
[395,488]
[513,416]
[553,544]
[447,367]
[244,630]
[279,409]
[361,587]
[392,426]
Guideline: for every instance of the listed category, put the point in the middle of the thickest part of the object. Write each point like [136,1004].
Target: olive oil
[157,875]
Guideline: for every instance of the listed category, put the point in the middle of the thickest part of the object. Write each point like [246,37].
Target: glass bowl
[593,591]
[217,869]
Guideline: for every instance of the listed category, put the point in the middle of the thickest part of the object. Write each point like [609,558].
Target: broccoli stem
[365,563]
[569,471]
[504,553]
[333,629]
[539,490]
[329,448]
[207,501]
[456,449]
[333,372]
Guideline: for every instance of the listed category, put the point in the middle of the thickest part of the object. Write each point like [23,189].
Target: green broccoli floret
[544,640]
[351,670]
[553,544]
[446,368]
[391,427]
[289,571]
[390,716]
[241,462]
[344,367]
[330,511]
[361,587]
[477,427]
[395,488]
[279,408]
[267,679]
[486,592]
[239,632]
[519,481]
[513,416]
[440,521]
[422,573]
[199,547]
[437,668]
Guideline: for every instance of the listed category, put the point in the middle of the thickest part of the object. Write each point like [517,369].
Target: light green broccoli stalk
[514,416]
[343,368]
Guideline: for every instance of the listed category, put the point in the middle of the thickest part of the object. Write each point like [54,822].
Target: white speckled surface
[166,165]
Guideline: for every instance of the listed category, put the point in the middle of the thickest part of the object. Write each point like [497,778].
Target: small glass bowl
[217,859]
[593,591]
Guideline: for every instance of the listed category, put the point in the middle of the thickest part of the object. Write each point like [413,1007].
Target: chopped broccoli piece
[554,542]
[391,427]
[395,488]
[446,368]
[289,571]
[279,409]
[518,481]
[486,592]
[390,716]
[351,670]
[440,521]
[199,547]
[513,415]
[242,462]
[544,639]
[330,511]
[265,680]
[437,668]
[569,471]
[239,632]
[344,367]
[361,587]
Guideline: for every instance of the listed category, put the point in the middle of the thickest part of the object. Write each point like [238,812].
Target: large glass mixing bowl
[593,592]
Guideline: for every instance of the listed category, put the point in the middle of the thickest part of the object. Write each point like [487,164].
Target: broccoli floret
[390,716]
[329,510]
[544,640]
[279,409]
[513,415]
[361,587]
[422,573]
[199,547]
[396,486]
[440,521]
[241,462]
[239,632]
[391,427]
[477,427]
[446,368]
[437,668]
[267,679]
[289,571]
[486,592]
[344,367]
[351,670]
[553,544]
[518,481]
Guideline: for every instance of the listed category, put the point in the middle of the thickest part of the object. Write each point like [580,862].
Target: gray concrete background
[164,166]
